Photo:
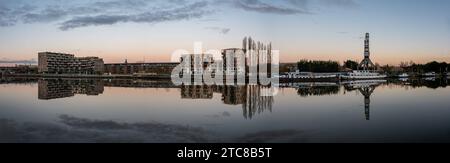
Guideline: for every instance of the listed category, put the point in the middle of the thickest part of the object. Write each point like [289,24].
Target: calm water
[38,110]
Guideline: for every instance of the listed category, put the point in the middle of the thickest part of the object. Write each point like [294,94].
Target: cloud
[74,129]
[340,3]
[76,14]
[263,7]
[219,29]
[47,15]
[299,3]
[182,13]
[70,129]
[31,61]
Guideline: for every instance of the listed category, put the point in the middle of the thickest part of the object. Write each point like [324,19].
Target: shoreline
[168,77]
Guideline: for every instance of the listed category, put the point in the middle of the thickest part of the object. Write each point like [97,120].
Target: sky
[151,30]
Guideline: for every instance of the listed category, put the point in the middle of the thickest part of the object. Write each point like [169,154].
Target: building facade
[248,59]
[163,68]
[60,63]
[196,64]
[234,61]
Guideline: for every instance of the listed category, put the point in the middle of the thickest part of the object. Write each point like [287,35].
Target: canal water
[81,110]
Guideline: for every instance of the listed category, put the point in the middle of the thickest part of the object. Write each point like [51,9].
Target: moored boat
[361,83]
[429,74]
[363,75]
[309,75]
[404,75]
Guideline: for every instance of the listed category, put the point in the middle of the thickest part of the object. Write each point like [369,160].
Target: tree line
[318,66]
[438,67]
[334,66]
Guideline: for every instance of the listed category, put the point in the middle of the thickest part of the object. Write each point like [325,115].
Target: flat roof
[142,63]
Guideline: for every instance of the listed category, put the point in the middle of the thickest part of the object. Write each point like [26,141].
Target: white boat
[430,78]
[403,79]
[364,83]
[404,75]
[310,75]
[429,74]
[363,75]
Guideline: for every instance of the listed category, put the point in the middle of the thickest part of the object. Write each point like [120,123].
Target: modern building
[165,68]
[60,63]
[252,55]
[234,61]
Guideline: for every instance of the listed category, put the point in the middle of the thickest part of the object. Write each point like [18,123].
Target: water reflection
[366,88]
[316,89]
[56,88]
[4,80]
[302,112]
[250,96]
[74,129]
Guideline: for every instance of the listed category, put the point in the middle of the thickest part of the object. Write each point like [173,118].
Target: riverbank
[168,77]
[153,77]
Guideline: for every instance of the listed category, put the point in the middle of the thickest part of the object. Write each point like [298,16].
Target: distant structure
[366,63]
[60,63]
[159,68]
[19,69]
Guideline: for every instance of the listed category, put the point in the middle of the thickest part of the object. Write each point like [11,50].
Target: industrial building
[161,68]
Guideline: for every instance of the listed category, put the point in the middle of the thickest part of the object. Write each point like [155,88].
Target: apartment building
[60,63]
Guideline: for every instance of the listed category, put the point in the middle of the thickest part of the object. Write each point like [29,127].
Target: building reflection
[56,88]
[6,80]
[62,88]
[251,97]
[366,88]
[197,92]
[126,83]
